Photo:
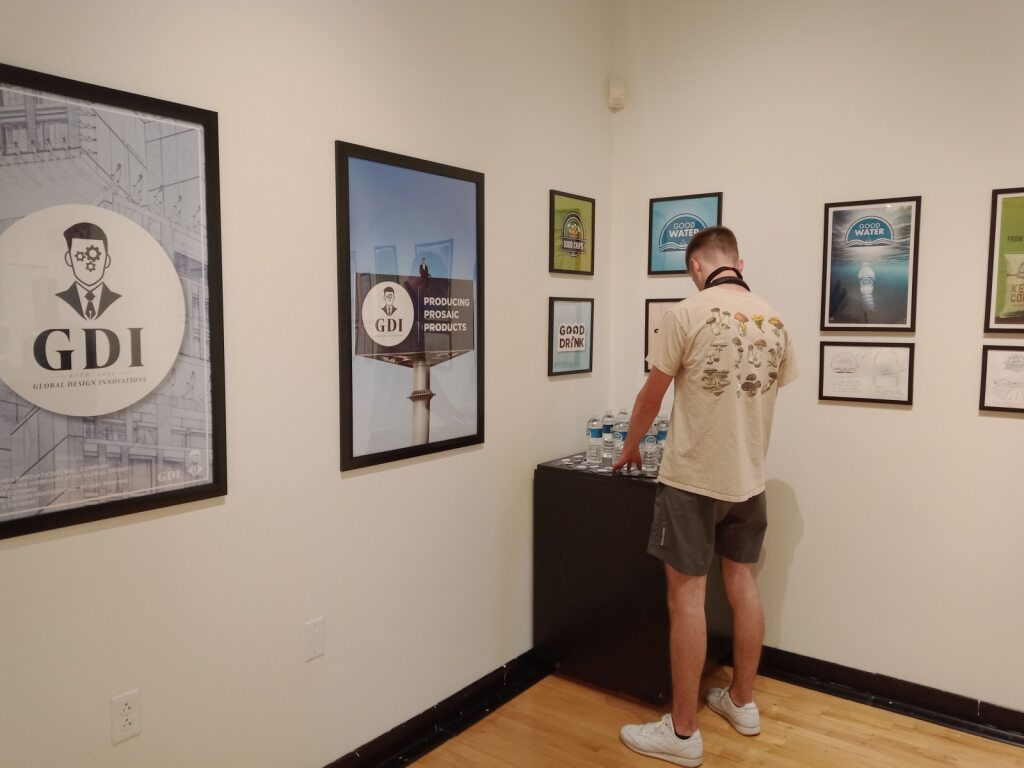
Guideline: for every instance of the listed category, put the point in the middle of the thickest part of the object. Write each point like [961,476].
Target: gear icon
[91,266]
[80,256]
[92,253]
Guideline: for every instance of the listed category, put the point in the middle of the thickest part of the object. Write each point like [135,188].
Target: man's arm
[645,408]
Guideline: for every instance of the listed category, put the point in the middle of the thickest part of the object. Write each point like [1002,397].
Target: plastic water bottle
[649,451]
[662,422]
[606,424]
[619,433]
[867,285]
[595,441]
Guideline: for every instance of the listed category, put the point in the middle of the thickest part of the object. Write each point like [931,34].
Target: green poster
[572,234]
[1008,270]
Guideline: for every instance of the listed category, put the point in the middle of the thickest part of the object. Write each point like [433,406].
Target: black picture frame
[1004,294]
[572,223]
[671,224]
[866,372]
[1003,389]
[394,210]
[119,164]
[651,322]
[570,336]
[881,236]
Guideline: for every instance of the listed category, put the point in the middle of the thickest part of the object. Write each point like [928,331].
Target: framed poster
[869,277]
[655,308]
[867,373]
[111,351]
[672,224]
[410,291]
[570,336]
[571,234]
[1004,300]
[1002,379]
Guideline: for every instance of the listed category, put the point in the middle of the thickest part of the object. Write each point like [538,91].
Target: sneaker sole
[688,762]
[746,730]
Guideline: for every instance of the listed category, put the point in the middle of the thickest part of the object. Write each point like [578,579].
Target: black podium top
[577,463]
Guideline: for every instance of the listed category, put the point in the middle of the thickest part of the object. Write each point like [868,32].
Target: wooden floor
[558,723]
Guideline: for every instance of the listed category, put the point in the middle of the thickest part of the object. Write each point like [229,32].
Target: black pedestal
[599,610]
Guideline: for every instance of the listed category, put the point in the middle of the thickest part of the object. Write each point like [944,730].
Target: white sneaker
[745,719]
[659,740]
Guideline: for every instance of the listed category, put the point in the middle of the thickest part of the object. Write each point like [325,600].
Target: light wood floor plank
[559,723]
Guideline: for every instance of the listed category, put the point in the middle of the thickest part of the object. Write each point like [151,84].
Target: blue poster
[870,265]
[673,223]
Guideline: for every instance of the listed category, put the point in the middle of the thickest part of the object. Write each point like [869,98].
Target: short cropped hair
[713,238]
[84,231]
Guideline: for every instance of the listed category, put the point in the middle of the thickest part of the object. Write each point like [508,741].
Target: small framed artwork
[570,336]
[571,234]
[1004,301]
[673,222]
[869,277]
[1002,379]
[111,341]
[410,291]
[655,309]
[867,373]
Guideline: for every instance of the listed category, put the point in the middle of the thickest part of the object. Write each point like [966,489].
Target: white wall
[203,605]
[894,537]
[895,532]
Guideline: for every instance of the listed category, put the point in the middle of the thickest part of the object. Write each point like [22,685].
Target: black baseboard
[414,738]
[922,702]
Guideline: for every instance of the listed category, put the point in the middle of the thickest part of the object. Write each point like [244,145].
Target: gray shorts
[689,528]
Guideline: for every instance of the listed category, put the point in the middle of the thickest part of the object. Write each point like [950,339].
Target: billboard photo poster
[410,290]
[111,358]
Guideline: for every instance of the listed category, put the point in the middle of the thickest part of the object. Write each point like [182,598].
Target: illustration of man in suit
[389,307]
[89,259]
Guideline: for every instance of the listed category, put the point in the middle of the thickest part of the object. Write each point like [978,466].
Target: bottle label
[595,433]
[650,440]
[621,436]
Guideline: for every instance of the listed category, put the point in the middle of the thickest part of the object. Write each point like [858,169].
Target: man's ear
[67,258]
[696,270]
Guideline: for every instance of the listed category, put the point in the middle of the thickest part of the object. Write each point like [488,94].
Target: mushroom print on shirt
[745,354]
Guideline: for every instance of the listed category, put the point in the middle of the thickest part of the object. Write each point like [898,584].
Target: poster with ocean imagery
[869,277]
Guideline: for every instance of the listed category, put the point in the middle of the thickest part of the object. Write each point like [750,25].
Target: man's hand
[630,456]
[644,410]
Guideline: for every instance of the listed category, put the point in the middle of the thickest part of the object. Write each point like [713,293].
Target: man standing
[727,352]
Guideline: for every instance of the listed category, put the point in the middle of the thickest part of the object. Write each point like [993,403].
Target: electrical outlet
[314,638]
[125,716]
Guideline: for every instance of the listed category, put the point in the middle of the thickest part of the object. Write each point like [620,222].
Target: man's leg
[688,640]
[748,627]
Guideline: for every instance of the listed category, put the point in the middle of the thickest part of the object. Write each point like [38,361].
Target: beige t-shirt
[729,352]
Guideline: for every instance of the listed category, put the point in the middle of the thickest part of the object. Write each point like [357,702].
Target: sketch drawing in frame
[867,372]
[410,293]
[111,355]
[1002,379]
[869,275]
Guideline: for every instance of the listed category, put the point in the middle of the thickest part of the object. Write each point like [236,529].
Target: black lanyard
[711,282]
